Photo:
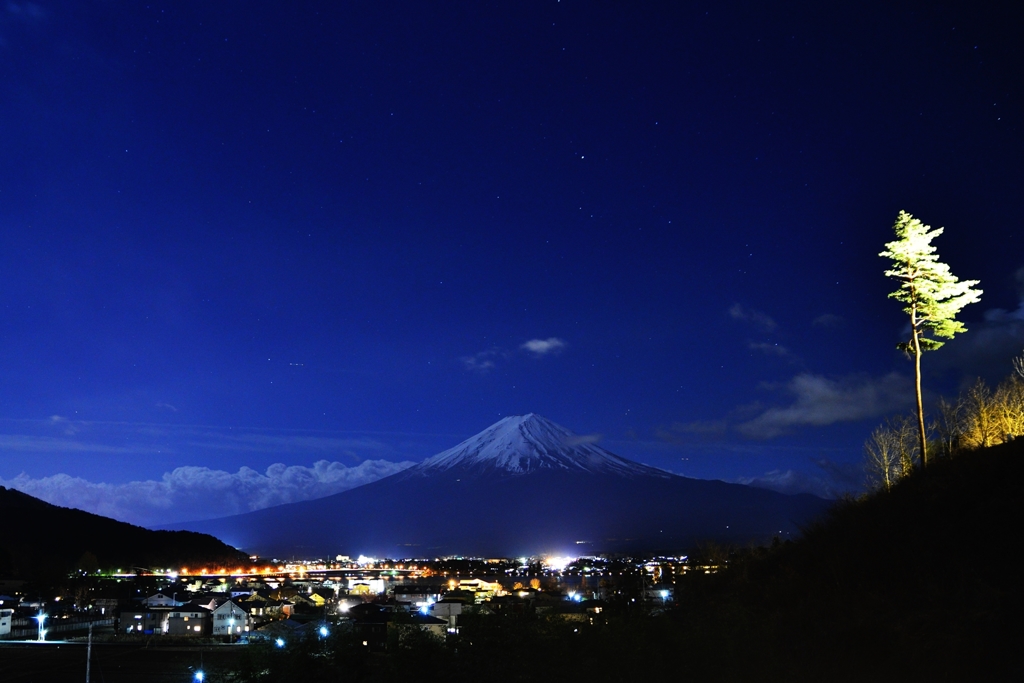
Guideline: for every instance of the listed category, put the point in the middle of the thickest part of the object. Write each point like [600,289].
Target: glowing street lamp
[279,642]
[200,676]
[41,618]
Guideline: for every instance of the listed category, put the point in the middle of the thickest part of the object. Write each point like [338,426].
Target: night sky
[256,252]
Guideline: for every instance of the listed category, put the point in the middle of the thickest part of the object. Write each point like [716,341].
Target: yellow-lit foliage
[979,418]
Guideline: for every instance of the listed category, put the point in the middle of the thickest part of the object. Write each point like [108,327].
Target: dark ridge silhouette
[523,486]
[38,540]
[921,583]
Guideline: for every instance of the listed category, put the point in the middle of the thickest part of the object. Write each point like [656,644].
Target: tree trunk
[920,404]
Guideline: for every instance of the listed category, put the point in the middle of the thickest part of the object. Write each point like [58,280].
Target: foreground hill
[523,486]
[921,583]
[38,538]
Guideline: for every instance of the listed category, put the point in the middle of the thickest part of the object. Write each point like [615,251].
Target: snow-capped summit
[521,444]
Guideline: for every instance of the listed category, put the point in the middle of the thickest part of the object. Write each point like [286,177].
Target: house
[241,591]
[189,620]
[482,590]
[303,602]
[162,600]
[148,621]
[449,611]
[416,594]
[321,596]
[106,605]
[230,619]
[6,618]
[508,604]
[370,624]
[365,586]
[662,592]
[262,611]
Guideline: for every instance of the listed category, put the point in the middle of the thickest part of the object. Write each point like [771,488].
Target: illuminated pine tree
[933,296]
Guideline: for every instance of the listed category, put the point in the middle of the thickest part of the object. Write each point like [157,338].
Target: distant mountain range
[523,486]
[40,540]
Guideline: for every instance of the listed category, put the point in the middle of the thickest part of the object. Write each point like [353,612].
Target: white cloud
[986,349]
[26,11]
[25,443]
[583,439]
[836,479]
[769,349]
[190,493]
[542,347]
[756,318]
[821,401]
[829,320]
[483,362]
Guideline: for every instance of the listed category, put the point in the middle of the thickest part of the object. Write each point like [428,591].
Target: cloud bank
[191,493]
[821,401]
[834,480]
[987,348]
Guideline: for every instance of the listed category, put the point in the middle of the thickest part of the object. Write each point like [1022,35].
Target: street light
[41,617]
[200,676]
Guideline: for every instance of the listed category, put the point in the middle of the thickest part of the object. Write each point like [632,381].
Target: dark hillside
[921,583]
[41,540]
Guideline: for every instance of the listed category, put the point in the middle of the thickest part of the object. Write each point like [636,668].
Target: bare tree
[948,426]
[891,452]
[881,459]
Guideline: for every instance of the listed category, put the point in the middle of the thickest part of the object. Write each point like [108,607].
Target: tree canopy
[932,294]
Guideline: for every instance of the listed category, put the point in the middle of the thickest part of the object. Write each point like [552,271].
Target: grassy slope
[920,583]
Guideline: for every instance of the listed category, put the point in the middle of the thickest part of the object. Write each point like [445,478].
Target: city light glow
[558,563]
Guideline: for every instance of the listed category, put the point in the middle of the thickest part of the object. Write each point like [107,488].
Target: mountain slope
[523,486]
[38,537]
[916,584]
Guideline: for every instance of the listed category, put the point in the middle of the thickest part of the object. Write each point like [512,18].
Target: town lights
[558,564]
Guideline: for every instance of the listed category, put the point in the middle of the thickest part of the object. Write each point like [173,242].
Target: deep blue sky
[238,234]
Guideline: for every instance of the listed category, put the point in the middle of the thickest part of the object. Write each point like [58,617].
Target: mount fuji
[523,486]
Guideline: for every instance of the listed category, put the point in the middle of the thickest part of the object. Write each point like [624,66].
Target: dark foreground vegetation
[918,583]
[141,661]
